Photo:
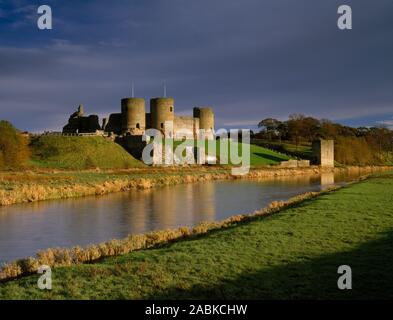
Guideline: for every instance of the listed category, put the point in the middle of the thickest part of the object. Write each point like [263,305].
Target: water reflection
[327,179]
[27,228]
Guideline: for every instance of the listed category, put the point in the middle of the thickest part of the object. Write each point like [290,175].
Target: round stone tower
[162,110]
[133,116]
[206,118]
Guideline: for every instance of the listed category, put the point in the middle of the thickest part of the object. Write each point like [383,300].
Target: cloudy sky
[249,59]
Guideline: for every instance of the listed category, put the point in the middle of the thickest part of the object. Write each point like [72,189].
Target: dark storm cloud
[250,59]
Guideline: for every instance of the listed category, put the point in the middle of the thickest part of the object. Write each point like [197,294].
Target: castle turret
[133,118]
[162,110]
[206,120]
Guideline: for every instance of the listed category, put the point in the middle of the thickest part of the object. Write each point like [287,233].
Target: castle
[133,120]
[128,127]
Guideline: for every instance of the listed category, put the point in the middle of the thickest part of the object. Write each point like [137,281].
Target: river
[28,228]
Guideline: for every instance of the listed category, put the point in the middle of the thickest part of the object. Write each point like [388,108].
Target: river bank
[293,253]
[59,257]
[32,186]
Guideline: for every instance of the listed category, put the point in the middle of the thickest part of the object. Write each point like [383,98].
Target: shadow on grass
[269,157]
[372,278]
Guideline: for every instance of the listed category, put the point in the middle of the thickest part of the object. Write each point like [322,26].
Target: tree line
[360,146]
[353,146]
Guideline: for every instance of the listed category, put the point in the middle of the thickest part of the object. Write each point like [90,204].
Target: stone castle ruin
[133,120]
[79,123]
[128,127]
[322,155]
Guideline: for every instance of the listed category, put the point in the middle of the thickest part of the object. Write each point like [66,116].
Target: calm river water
[28,228]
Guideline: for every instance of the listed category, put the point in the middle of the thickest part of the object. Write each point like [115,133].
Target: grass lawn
[292,254]
[263,156]
[303,151]
[76,153]
[259,156]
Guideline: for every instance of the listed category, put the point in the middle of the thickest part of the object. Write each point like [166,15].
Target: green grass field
[293,254]
[259,156]
[77,153]
[264,156]
[67,152]
[303,151]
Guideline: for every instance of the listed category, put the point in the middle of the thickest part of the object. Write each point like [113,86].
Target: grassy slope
[301,151]
[293,254]
[263,156]
[64,152]
[258,155]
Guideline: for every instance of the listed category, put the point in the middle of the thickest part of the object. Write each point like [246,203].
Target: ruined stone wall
[185,122]
[295,164]
[114,123]
[89,124]
[323,152]
[134,144]
[72,126]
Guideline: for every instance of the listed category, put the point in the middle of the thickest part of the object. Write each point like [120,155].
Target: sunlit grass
[67,152]
[258,155]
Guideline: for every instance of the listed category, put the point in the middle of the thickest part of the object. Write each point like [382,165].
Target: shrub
[14,150]
[354,151]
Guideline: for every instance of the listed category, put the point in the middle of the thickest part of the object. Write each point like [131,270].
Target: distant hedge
[14,149]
